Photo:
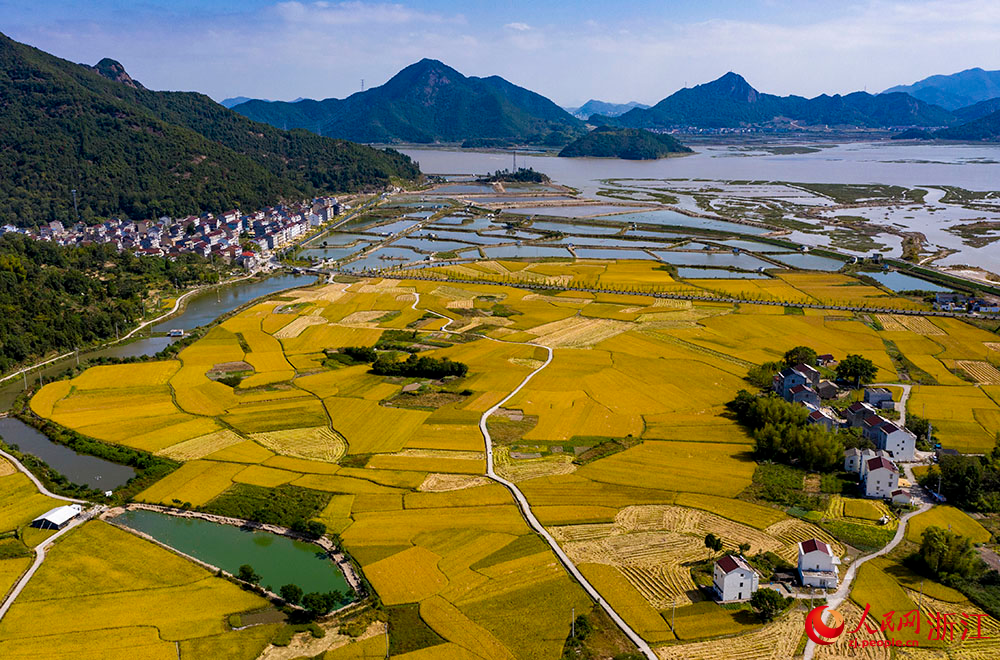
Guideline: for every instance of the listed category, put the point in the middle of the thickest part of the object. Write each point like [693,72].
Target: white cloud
[356,13]
[520,27]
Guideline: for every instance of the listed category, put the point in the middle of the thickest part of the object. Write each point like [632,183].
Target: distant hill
[235,100]
[982,129]
[134,152]
[731,102]
[428,102]
[627,143]
[595,107]
[981,109]
[956,90]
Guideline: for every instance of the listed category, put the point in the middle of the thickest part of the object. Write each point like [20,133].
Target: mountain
[627,143]
[595,107]
[981,109]
[140,153]
[427,102]
[731,102]
[982,129]
[235,100]
[954,91]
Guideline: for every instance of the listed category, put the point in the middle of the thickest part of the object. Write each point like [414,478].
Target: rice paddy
[403,483]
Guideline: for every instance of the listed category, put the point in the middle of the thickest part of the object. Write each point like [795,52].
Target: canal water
[279,560]
[78,468]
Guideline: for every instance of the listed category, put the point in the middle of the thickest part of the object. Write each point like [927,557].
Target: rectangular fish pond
[278,559]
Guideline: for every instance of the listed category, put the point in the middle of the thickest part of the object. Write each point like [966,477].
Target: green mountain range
[627,143]
[138,153]
[428,102]
[731,102]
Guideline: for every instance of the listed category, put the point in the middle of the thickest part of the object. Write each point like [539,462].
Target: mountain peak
[733,86]
[113,70]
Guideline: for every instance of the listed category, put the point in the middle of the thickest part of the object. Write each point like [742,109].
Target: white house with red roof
[818,565]
[880,478]
[897,441]
[734,579]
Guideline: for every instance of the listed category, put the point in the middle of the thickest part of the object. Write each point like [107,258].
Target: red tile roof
[812,545]
[730,563]
[881,462]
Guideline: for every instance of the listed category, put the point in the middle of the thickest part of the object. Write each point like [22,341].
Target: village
[734,579]
[234,237]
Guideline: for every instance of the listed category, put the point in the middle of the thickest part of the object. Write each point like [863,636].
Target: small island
[627,143]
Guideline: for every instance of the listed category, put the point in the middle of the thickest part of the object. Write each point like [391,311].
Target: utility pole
[387,640]
[25,374]
[573,623]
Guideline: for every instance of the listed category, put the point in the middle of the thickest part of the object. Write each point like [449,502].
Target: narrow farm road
[522,501]
[841,594]
[39,558]
[38,484]
[903,400]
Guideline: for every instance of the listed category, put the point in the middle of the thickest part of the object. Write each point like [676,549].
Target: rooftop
[812,545]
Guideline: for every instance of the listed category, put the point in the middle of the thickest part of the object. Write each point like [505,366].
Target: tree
[744,548]
[961,479]
[247,575]
[763,375]
[713,542]
[291,593]
[857,368]
[947,554]
[800,355]
[767,603]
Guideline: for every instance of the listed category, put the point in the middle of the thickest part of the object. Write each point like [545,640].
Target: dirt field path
[525,507]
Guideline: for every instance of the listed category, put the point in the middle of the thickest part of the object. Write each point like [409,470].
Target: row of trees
[969,482]
[315,603]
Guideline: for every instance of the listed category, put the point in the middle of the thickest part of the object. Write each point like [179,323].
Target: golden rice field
[407,491]
[96,586]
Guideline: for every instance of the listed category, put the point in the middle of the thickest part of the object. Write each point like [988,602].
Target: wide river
[970,166]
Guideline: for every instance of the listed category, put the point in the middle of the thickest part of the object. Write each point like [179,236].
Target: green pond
[279,560]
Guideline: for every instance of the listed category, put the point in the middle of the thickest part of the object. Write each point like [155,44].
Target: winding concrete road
[841,594]
[522,501]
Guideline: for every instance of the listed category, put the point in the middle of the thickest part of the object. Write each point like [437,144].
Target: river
[200,310]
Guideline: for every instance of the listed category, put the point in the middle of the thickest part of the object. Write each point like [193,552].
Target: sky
[640,50]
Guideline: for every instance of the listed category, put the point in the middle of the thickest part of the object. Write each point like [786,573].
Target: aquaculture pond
[573,227]
[673,218]
[386,257]
[810,261]
[902,282]
[279,560]
[78,468]
[333,252]
[723,259]
[525,251]
[599,253]
[573,211]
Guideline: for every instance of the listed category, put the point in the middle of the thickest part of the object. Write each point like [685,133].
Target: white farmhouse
[817,565]
[734,580]
[880,477]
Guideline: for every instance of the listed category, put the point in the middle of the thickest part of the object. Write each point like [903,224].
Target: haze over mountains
[954,91]
[431,102]
[140,153]
[595,107]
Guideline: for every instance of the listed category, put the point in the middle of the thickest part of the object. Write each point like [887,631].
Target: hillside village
[233,236]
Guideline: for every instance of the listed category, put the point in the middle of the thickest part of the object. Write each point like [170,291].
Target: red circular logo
[816,629]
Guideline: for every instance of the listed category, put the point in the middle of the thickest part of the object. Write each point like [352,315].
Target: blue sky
[570,51]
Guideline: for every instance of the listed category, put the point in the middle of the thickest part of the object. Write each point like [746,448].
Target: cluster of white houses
[875,468]
[228,235]
[735,580]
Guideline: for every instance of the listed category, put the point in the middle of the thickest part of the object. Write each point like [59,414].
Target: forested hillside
[59,298]
[138,153]
[628,143]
